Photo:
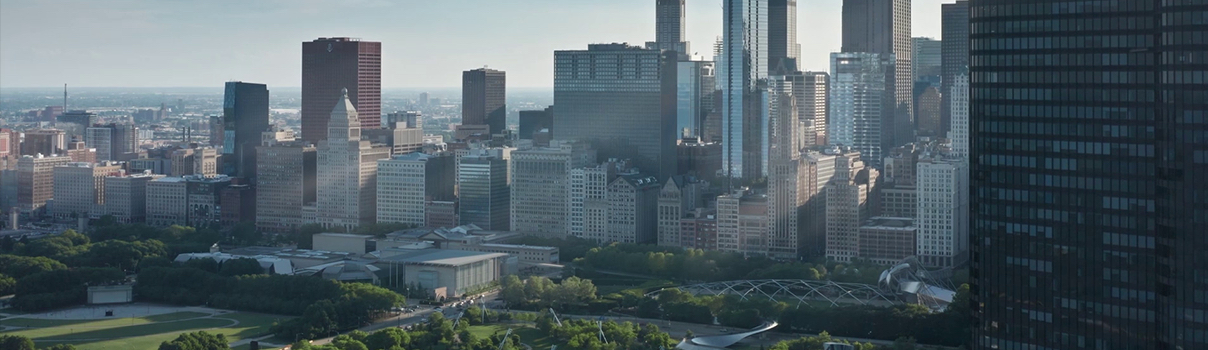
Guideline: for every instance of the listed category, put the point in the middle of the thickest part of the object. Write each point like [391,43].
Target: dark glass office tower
[332,64]
[483,95]
[621,99]
[883,27]
[954,54]
[783,49]
[244,117]
[1089,167]
[535,120]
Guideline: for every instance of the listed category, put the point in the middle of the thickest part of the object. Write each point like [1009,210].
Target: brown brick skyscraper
[331,64]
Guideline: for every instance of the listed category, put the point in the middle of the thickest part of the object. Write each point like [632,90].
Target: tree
[196,341]
[387,338]
[241,266]
[245,233]
[513,290]
[16,342]
[8,285]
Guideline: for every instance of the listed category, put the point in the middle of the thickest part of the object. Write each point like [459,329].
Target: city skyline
[185,51]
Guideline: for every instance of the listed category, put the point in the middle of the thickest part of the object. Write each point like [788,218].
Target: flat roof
[442,257]
[345,235]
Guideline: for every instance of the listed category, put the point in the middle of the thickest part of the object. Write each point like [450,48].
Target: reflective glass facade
[1089,158]
[856,110]
[745,62]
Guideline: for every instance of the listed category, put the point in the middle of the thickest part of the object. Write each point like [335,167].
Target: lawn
[140,332]
[528,335]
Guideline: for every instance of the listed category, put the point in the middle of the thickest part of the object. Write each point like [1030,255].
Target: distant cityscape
[1049,156]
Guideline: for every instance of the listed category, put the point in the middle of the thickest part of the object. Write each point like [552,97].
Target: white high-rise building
[126,196]
[589,198]
[856,98]
[347,171]
[959,98]
[406,183]
[943,209]
[541,189]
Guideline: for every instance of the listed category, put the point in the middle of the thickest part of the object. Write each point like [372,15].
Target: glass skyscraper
[1088,171]
[244,118]
[856,110]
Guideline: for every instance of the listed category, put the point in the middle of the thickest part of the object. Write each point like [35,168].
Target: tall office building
[818,169]
[534,121]
[926,58]
[678,198]
[347,171]
[112,141]
[786,190]
[167,201]
[286,178]
[74,122]
[669,28]
[883,27]
[244,118]
[744,62]
[79,189]
[811,90]
[540,190]
[126,196]
[927,111]
[589,198]
[942,210]
[958,100]
[693,97]
[332,64]
[483,99]
[783,49]
[484,195]
[856,112]
[35,181]
[407,182]
[954,54]
[1088,167]
[633,209]
[620,99]
[742,222]
[44,141]
[847,205]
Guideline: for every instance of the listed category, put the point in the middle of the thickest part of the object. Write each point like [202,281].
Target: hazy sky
[159,43]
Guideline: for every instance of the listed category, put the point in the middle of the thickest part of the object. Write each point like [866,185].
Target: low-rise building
[887,240]
[446,273]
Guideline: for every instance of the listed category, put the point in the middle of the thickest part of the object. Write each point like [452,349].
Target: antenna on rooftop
[64,97]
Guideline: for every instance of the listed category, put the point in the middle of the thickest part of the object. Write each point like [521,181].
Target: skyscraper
[693,97]
[847,205]
[483,95]
[79,189]
[286,174]
[1087,167]
[942,210]
[44,141]
[332,64]
[783,49]
[35,181]
[244,118]
[484,194]
[407,182]
[883,27]
[926,58]
[540,187]
[856,114]
[621,99]
[744,63]
[954,54]
[958,99]
[347,171]
[669,28]
[534,121]
[785,186]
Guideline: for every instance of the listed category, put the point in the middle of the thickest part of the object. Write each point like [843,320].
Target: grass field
[138,332]
[528,335]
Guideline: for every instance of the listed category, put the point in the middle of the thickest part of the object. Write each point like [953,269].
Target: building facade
[883,27]
[406,183]
[347,171]
[541,188]
[943,210]
[332,64]
[926,59]
[126,197]
[954,52]
[483,99]
[847,205]
[244,118]
[35,181]
[286,180]
[633,209]
[856,108]
[621,100]
[79,189]
[484,195]
[1087,163]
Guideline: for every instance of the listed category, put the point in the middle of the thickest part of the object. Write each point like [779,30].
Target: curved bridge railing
[799,291]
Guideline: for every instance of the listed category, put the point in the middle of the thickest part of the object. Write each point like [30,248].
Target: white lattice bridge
[799,291]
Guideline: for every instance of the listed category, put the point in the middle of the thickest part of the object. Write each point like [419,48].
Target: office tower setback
[79,189]
[407,182]
[484,194]
[954,57]
[847,205]
[620,99]
[926,58]
[35,181]
[332,64]
[540,187]
[483,99]
[244,118]
[1087,169]
[857,89]
[347,171]
[532,122]
[286,178]
[883,27]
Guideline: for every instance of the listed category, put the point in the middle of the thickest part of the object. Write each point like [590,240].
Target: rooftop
[442,257]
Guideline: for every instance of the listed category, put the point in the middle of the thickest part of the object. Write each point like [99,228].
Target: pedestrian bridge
[796,291]
[722,341]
